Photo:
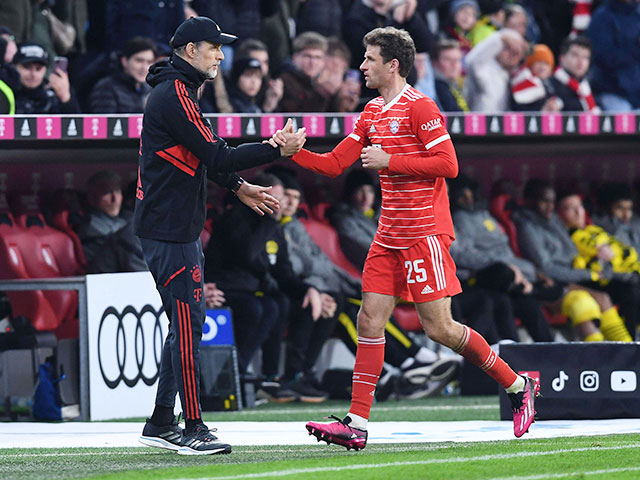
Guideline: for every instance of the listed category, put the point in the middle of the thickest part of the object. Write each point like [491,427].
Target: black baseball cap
[29,52]
[198,29]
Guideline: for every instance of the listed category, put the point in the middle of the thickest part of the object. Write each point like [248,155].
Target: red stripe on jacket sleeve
[192,115]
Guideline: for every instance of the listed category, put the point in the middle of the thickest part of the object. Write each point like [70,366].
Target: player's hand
[374,158]
[290,142]
[258,198]
[214,297]
[313,299]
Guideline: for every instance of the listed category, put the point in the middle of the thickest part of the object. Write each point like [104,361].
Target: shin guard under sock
[476,349]
[366,372]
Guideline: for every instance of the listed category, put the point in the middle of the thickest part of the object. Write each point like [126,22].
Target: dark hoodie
[178,150]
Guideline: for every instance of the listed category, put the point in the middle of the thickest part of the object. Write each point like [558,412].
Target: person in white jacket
[489,66]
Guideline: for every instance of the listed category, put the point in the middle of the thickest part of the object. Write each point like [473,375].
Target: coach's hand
[258,198]
[313,299]
[374,158]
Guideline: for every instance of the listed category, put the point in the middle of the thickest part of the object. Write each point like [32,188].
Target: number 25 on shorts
[415,268]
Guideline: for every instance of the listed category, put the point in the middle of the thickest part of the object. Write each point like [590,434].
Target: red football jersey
[414,194]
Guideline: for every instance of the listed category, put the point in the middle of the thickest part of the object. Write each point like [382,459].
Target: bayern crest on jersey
[394,126]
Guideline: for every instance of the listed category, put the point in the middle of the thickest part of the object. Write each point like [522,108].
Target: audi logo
[125,343]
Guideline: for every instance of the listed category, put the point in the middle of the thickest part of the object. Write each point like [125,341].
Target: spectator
[354,218]
[464,15]
[544,240]
[617,216]
[9,78]
[126,91]
[615,35]
[531,87]
[247,258]
[245,83]
[425,77]
[492,20]
[155,19]
[8,46]
[342,84]
[272,88]
[107,238]
[447,64]
[615,263]
[300,75]
[484,253]
[489,67]
[516,18]
[322,16]
[34,95]
[366,15]
[569,80]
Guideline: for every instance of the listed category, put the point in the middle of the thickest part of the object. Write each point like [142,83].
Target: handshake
[287,140]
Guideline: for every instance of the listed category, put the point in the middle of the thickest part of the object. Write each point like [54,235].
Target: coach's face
[376,72]
[206,57]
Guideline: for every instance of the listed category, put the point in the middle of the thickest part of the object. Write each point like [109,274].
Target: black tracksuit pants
[177,269]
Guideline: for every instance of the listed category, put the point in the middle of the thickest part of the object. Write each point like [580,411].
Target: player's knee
[369,325]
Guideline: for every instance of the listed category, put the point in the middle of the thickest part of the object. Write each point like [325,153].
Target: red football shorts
[421,273]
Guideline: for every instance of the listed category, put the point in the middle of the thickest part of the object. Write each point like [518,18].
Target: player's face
[571,212]
[546,203]
[376,72]
[207,58]
[622,210]
[291,202]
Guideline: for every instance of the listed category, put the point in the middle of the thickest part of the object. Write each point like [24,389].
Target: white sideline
[125,434]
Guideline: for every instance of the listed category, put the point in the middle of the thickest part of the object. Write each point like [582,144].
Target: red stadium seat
[319,212]
[60,220]
[31,303]
[502,213]
[407,317]
[327,239]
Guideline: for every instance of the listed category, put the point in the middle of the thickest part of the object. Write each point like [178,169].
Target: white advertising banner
[126,328]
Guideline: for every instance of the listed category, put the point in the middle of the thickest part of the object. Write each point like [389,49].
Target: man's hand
[257,198]
[313,299]
[273,95]
[374,158]
[59,82]
[214,297]
[520,279]
[329,305]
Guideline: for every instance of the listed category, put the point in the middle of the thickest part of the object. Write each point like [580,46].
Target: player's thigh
[374,313]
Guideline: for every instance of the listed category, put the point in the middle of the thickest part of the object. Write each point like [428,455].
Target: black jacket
[248,253]
[118,93]
[178,149]
[43,100]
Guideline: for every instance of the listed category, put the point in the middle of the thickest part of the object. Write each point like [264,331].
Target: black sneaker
[419,373]
[202,442]
[305,390]
[164,436]
[274,391]
[386,385]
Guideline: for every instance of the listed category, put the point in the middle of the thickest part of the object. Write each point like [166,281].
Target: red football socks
[366,372]
[475,348]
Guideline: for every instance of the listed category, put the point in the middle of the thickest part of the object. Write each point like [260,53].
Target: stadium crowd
[72,56]
[524,259]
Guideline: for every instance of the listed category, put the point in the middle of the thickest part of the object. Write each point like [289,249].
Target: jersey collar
[395,99]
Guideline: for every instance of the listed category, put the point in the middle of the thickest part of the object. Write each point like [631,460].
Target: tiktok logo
[559,382]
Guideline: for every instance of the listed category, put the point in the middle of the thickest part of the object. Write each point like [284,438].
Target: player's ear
[394,64]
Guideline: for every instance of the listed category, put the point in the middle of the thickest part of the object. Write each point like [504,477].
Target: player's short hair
[393,43]
[580,41]
[613,192]
[310,40]
[442,45]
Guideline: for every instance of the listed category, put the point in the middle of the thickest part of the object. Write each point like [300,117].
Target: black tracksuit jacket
[178,150]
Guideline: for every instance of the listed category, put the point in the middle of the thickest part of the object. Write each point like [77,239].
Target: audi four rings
[142,346]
